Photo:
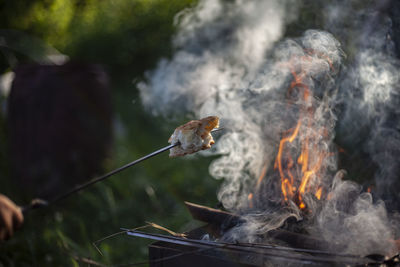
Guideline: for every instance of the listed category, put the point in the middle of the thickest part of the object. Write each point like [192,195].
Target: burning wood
[221,221]
[213,216]
[193,136]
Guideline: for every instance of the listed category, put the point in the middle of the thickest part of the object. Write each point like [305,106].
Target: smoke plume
[370,90]
[231,61]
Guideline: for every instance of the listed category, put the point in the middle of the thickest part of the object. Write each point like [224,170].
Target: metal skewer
[37,203]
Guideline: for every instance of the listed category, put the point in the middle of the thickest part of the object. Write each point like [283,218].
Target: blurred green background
[126,37]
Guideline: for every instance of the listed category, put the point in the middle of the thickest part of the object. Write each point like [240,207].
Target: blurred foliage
[127,37]
[123,33]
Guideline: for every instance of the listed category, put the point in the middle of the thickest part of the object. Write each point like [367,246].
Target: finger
[3,234]
[8,223]
[18,218]
[6,228]
[3,229]
[10,217]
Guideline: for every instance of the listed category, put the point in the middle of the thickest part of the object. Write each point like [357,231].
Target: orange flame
[318,194]
[302,176]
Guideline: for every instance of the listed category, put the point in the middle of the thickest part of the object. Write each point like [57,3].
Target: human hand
[11,217]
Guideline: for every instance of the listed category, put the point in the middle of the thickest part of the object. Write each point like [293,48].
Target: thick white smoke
[221,43]
[371,89]
[231,62]
[222,47]
[352,223]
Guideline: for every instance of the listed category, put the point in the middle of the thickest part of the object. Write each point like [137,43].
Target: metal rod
[96,179]
[111,173]
[41,203]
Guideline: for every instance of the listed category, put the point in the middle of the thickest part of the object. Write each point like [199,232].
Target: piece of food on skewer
[193,136]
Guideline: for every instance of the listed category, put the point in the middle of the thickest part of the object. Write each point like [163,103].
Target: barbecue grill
[200,248]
